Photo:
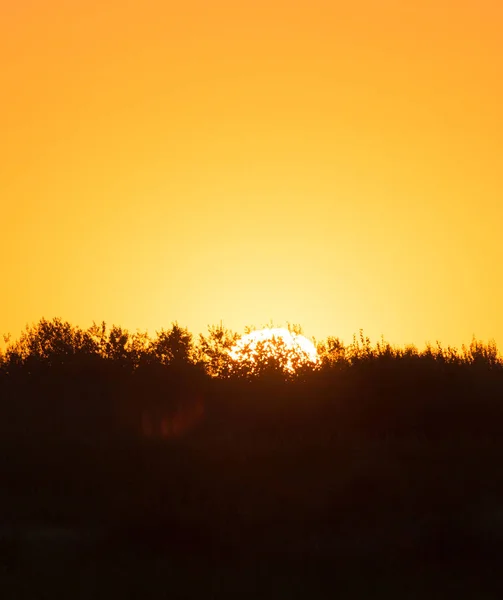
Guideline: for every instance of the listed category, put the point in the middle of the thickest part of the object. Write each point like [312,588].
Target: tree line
[58,379]
[56,343]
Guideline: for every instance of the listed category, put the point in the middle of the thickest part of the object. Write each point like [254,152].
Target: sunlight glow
[290,349]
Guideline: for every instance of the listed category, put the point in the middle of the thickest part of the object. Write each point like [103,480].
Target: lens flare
[291,350]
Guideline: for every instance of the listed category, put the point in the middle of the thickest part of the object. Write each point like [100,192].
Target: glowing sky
[336,164]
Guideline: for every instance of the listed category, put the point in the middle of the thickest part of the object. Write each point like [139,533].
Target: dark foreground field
[263,511]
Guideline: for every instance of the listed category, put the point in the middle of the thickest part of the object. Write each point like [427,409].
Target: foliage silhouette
[276,354]
[214,350]
[99,378]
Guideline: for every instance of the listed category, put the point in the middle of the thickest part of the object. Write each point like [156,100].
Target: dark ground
[264,512]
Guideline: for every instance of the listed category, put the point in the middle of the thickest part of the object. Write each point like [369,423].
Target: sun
[288,349]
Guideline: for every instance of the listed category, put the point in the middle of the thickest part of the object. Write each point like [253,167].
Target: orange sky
[330,163]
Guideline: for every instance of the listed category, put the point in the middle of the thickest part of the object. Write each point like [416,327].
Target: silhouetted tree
[117,345]
[53,342]
[174,347]
[214,350]
[99,337]
[332,352]
[269,358]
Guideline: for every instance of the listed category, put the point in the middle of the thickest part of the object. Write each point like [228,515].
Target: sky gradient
[329,163]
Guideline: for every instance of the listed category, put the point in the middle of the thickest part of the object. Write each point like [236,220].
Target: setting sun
[291,350]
